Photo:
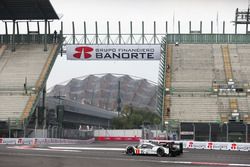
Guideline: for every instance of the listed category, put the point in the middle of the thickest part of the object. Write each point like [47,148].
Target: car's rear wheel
[160,152]
[173,153]
[130,151]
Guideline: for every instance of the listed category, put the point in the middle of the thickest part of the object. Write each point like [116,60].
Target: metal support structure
[61,38]
[48,27]
[119,99]
[248,14]
[210,132]
[36,121]
[201,27]
[224,27]
[193,131]
[24,129]
[246,132]
[28,27]
[6,28]
[85,32]
[179,27]
[154,32]
[38,28]
[242,17]
[119,31]
[190,27]
[9,128]
[212,27]
[44,108]
[166,27]
[227,128]
[17,28]
[96,32]
[179,131]
[13,37]
[74,34]
[143,33]
[108,34]
[45,35]
[131,32]
[236,20]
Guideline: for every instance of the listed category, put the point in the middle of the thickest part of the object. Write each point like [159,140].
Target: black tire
[160,152]
[130,151]
[172,153]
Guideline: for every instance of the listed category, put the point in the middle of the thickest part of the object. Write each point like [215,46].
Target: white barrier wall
[120,133]
[208,145]
[216,145]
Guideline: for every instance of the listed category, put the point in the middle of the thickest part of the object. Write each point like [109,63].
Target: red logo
[20,141]
[137,151]
[190,145]
[234,146]
[1,141]
[83,51]
[209,145]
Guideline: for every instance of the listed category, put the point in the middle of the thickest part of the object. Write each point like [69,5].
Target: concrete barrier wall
[43,141]
[208,145]
[216,145]
[117,138]
[118,133]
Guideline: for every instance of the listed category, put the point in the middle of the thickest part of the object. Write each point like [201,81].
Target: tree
[132,117]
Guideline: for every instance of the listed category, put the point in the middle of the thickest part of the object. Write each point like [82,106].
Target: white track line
[125,159]
[89,148]
[204,163]
[41,149]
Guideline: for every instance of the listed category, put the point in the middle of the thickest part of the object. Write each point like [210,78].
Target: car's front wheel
[160,152]
[130,151]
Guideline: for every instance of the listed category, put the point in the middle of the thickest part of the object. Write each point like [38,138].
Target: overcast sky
[136,11]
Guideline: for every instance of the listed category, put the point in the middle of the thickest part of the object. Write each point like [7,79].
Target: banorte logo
[83,51]
[190,144]
[1,141]
[20,141]
[233,146]
[210,145]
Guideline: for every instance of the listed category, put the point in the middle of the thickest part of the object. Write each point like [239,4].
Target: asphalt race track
[106,154]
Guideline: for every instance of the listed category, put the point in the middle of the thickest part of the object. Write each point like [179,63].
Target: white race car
[147,149]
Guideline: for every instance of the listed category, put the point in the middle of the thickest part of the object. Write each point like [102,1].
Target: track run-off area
[111,154]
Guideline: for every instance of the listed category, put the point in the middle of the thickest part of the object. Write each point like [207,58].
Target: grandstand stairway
[227,63]
[167,98]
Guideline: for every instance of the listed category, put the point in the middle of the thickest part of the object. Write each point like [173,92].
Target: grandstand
[207,82]
[25,61]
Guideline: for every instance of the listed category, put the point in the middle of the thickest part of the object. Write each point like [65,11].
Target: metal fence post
[9,129]
[246,132]
[194,131]
[210,131]
[227,132]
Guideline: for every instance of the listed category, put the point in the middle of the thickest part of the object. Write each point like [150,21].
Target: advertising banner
[113,52]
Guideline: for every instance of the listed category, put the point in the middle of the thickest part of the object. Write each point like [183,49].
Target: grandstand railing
[162,81]
[113,39]
[208,38]
[26,38]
